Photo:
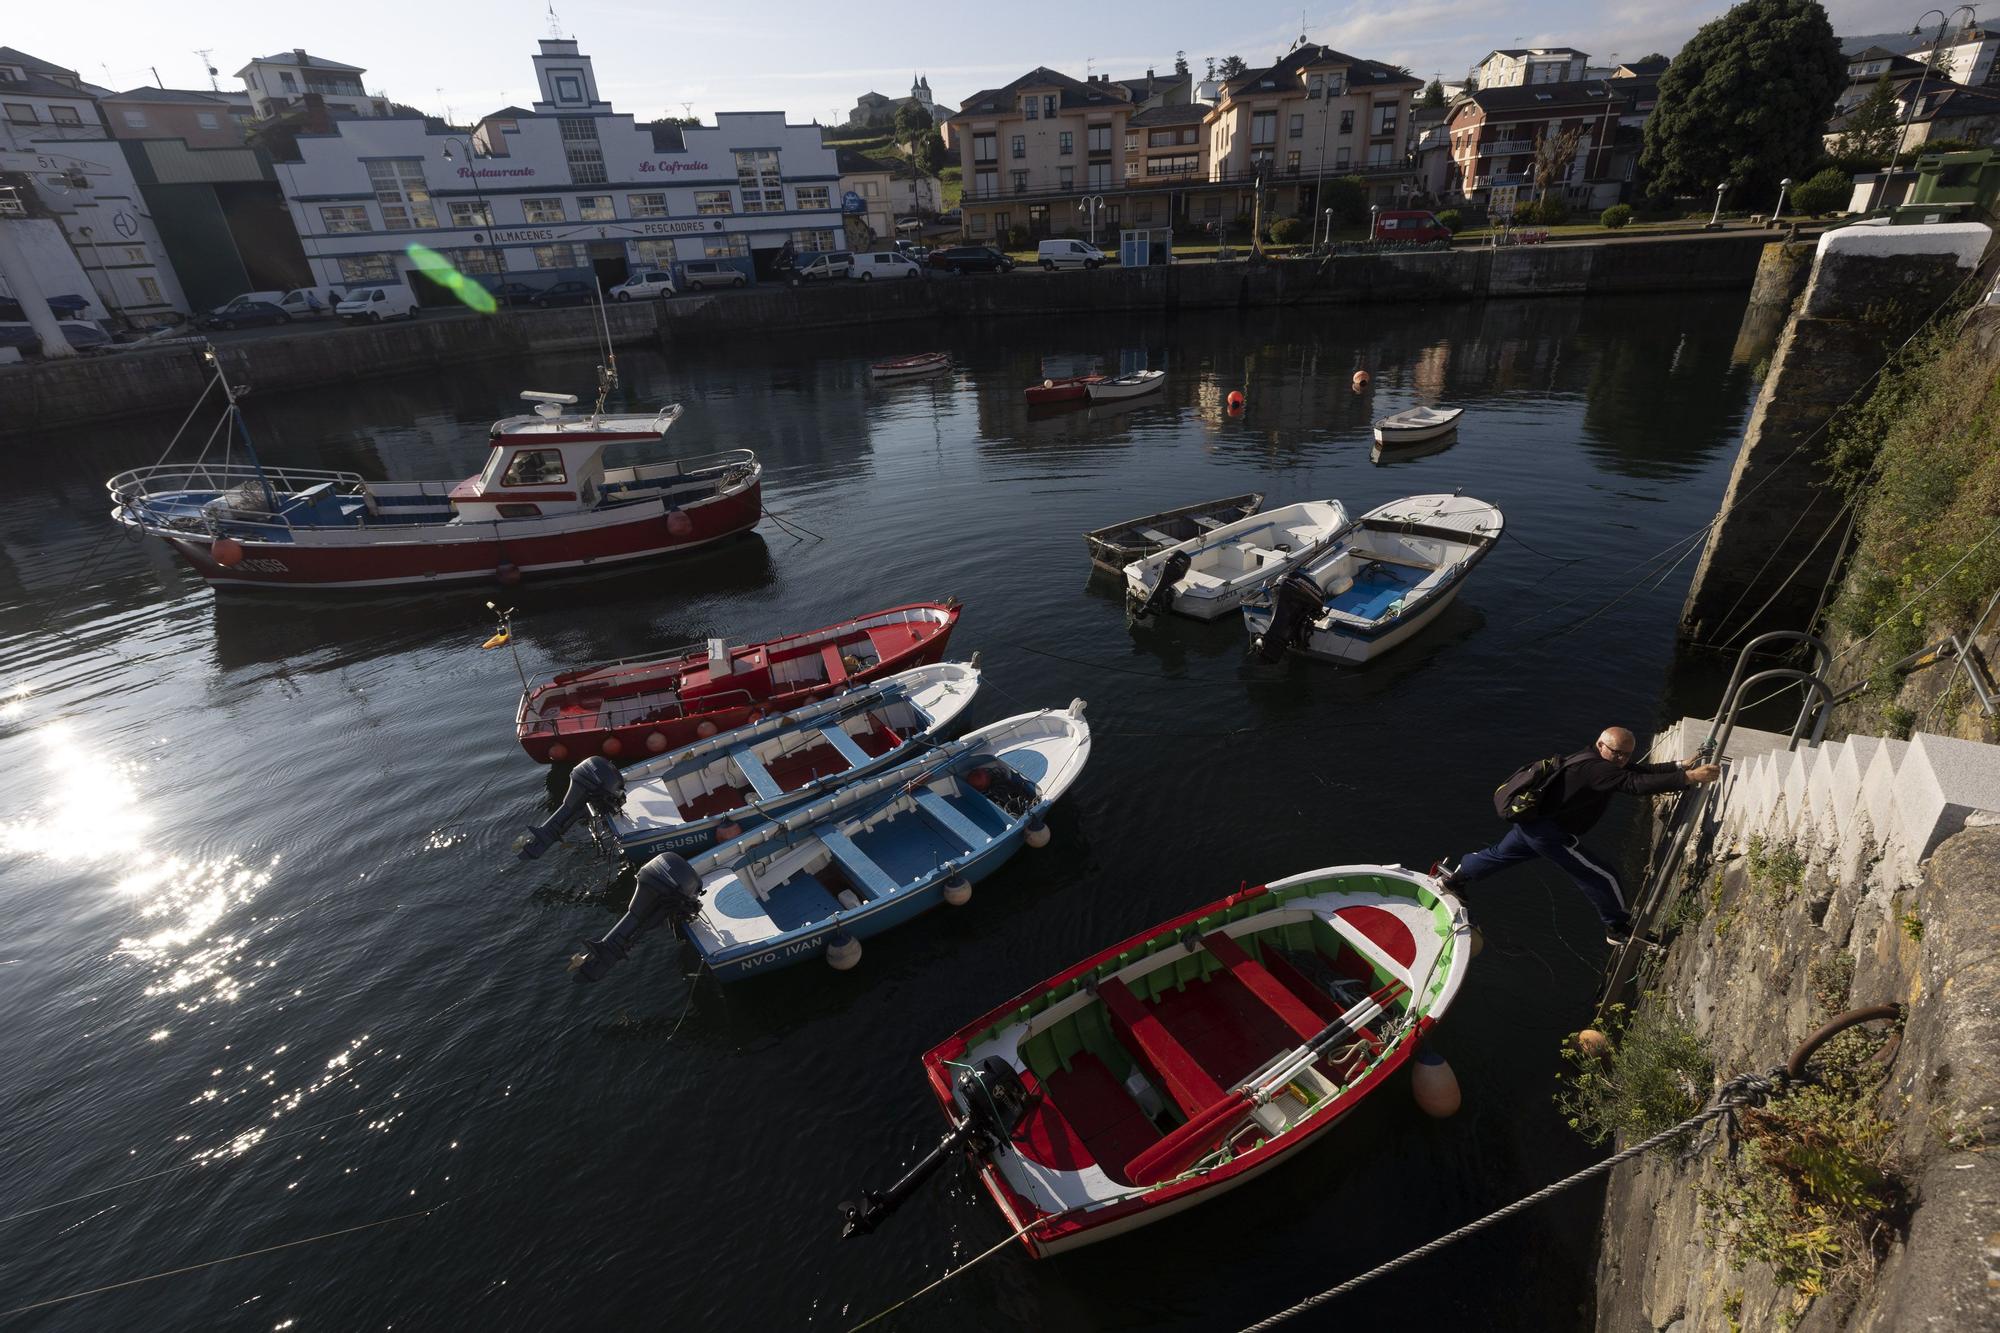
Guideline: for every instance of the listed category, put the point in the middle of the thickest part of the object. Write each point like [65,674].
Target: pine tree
[1746,101]
[1433,97]
[1231,67]
[1869,136]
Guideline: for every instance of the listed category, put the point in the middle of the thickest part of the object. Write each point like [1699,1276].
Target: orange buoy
[558,752]
[655,741]
[227,552]
[1360,380]
[678,524]
[613,747]
[1236,398]
[508,573]
[1434,1085]
[705,730]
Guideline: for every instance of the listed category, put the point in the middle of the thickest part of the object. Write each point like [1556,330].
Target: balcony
[1506,147]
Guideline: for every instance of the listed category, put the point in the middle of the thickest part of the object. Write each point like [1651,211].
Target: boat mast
[235,411]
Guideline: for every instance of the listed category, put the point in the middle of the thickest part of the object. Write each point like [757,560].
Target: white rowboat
[1417,423]
[1126,386]
[1209,576]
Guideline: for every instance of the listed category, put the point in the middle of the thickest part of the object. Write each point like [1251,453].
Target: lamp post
[1326,219]
[1779,212]
[1715,219]
[472,168]
[1090,206]
[1917,94]
[1373,210]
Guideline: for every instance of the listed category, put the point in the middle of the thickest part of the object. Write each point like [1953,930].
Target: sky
[813,60]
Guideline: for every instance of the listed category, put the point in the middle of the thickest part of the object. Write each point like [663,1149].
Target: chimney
[299,53]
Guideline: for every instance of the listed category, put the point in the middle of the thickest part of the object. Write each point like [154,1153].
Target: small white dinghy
[1126,386]
[1396,570]
[1209,576]
[1416,424]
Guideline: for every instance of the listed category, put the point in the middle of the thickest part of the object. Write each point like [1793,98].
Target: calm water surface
[270,969]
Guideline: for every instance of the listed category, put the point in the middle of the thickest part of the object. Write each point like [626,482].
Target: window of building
[150,290]
[1292,163]
[1049,106]
[543,210]
[595,208]
[1100,176]
[1131,142]
[1340,159]
[1336,84]
[1298,127]
[287,82]
[134,120]
[1131,168]
[982,148]
[1100,139]
[401,191]
[1020,181]
[341,221]
[985,183]
[1066,177]
[480,259]
[582,150]
[1142,212]
[1260,161]
[1347,122]
[758,178]
[713,201]
[978,224]
[568,87]
[647,205]
[1385,119]
[1381,155]
[725,247]
[468,214]
[1031,108]
[1038,218]
[1019,145]
[367,268]
[653,254]
[561,256]
[816,196]
[1178,165]
[21,113]
[871,189]
[813,241]
[1112,214]
[65,115]
[1065,143]
[535,467]
[207,120]
[1263,127]
[1315,86]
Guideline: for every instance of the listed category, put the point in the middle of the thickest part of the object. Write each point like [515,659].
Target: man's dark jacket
[1585,783]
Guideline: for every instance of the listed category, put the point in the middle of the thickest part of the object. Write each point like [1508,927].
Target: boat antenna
[607,373]
[242,427]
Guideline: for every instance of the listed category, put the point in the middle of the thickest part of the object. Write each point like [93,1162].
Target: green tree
[1746,101]
[1347,196]
[1827,192]
[1433,95]
[1232,67]
[912,122]
[1651,57]
[1180,63]
[1869,136]
[927,154]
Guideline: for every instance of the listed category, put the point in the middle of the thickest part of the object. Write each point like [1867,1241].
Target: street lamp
[1090,206]
[472,169]
[1326,218]
[1779,212]
[1373,210]
[1715,220]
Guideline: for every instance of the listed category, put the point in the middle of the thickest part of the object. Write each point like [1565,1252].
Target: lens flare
[446,275]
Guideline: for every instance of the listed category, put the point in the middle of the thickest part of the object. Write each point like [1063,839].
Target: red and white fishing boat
[640,707]
[544,502]
[1195,1056]
[1068,389]
[926,363]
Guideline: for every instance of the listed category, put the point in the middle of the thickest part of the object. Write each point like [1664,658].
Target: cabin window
[520,511]
[535,467]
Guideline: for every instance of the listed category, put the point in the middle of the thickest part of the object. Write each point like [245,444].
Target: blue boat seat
[843,745]
[857,863]
[753,770]
[940,812]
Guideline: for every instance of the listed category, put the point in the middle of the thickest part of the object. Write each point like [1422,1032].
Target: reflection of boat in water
[1415,424]
[544,502]
[1119,544]
[1383,455]
[1398,567]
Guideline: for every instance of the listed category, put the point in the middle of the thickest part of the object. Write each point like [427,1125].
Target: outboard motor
[668,890]
[996,1101]
[1172,572]
[595,787]
[1295,603]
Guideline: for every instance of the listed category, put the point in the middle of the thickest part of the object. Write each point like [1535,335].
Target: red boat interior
[1214,1020]
[795,770]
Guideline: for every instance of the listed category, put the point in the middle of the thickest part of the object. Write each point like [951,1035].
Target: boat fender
[595,787]
[558,752]
[843,951]
[679,524]
[705,730]
[613,746]
[728,832]
[1145,1094]
[958,891]
[667,889]
[1434,1085]
[1172,572]
[507,574]
[1478,942]
[1036,834]
[1295,605]
[656,741]
[226,551]
[848,899]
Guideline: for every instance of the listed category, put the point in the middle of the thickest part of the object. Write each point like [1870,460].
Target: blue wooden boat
[716,789]
[885,849]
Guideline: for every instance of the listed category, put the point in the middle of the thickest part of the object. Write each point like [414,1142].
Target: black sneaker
[1618,936]
[1445,872]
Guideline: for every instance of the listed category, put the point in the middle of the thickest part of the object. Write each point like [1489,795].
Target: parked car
[375,304]
[971,259]
[514,293]
[309,302]
[697,274]
[1053,255]
[651,283]
[820,266]
[242,314]
[1412,224]
[570,291]
[886,264]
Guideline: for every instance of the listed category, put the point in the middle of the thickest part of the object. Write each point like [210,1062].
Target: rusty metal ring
[1795,1068]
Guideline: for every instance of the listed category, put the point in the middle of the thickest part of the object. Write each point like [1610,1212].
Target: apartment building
[280,82]
[1527,66]
[1492,134]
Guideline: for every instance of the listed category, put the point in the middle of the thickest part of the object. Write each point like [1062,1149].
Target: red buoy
[1236,399]
[613,747]
[227,552]
[679,524]
[1360,380]
[655,741]
[558,752]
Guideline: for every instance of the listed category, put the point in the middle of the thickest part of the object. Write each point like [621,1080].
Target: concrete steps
[1845,804]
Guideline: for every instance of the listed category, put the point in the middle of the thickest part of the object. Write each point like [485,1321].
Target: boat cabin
[548,463]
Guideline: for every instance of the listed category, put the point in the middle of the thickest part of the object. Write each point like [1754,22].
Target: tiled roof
[1075,93]
[1533,51]
[1285,73]
[10,56]
[1192,114]
[40,85]
[307,62]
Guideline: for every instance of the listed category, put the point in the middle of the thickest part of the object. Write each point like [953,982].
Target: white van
[820,265]
[309,302]
[376,304]
[869,265]
[1053,255]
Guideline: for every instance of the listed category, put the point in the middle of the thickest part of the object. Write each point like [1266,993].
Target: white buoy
[1036,834]
[1478,942]
[1434,1085]
[843,951]
[1593,1043]
[958,891]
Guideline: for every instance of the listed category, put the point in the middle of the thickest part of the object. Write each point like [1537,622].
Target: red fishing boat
[640,707]
[1069,389]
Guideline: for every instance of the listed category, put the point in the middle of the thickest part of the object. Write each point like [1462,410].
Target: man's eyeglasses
[1616,754]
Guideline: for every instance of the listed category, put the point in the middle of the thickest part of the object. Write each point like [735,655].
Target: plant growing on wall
[1658,1074]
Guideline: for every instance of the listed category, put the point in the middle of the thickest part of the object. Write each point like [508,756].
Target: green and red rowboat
[1199,1054]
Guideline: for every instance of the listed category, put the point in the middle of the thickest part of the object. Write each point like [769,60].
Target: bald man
[1572,803]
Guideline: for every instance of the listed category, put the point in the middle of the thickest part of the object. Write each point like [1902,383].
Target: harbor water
[271,972]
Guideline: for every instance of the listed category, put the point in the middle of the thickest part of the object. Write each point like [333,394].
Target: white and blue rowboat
[880,851]
[1393,573]
[713,790]
[1209,576]
[1413,425]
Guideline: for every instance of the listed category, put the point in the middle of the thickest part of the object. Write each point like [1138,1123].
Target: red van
[1410,225]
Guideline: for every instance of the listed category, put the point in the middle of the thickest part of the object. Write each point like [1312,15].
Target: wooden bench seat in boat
[940,812]
[1273,993]
[1204,522]
[857,864]
[1157,537]
[836,670]
[1139,1029]
[844,744]
[755,773]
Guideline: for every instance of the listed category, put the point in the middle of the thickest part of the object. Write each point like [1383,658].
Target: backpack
[1519,798]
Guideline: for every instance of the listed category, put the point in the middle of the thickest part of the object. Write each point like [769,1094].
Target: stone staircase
[1864,804]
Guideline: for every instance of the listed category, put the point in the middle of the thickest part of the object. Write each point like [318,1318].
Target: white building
[54,143]
[568,188]
[1522,66]
[1969,59]
[277,83]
